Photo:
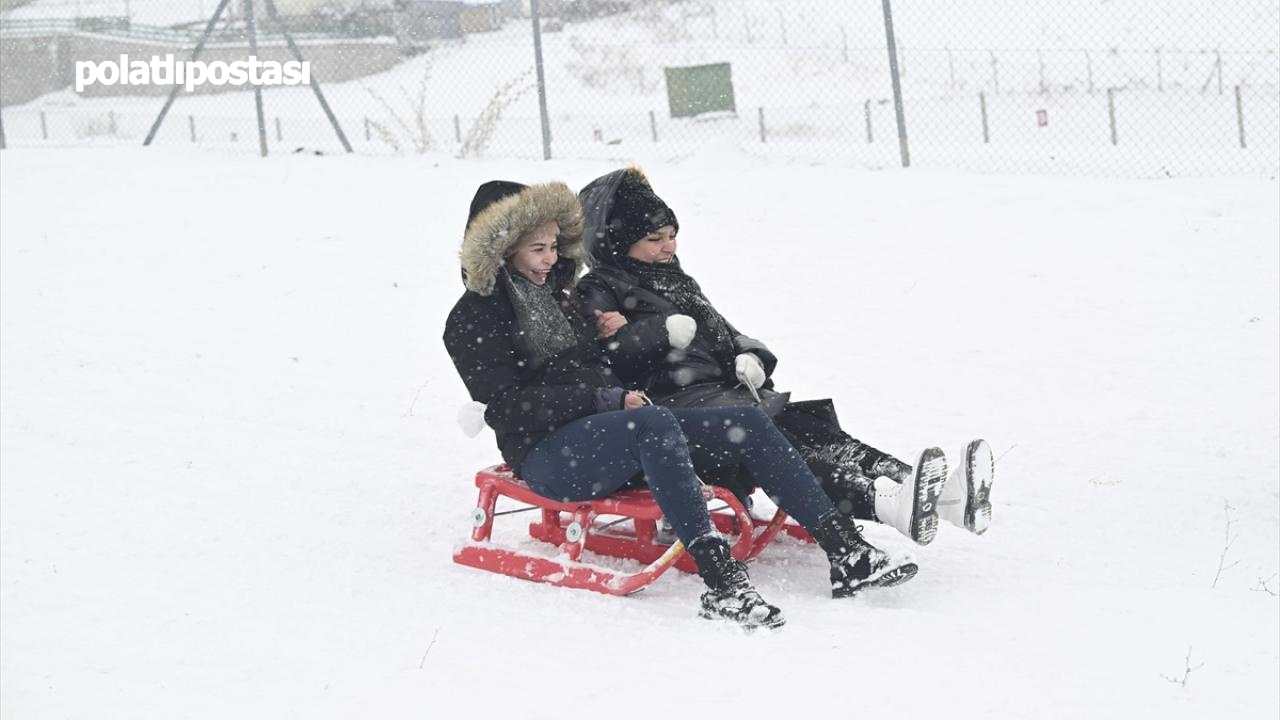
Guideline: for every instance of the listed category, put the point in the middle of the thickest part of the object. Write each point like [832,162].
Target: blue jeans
[595,456]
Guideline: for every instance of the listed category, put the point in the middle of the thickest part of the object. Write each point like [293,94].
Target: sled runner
[631,533]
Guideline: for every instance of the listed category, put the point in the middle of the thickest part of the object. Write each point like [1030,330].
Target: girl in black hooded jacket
[571,432]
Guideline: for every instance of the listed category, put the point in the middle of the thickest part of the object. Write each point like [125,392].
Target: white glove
[471,418]
[750,370]
[680,330]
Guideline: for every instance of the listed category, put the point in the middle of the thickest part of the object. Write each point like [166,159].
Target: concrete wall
[32,66]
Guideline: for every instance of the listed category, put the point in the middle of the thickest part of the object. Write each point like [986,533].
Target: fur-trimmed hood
[494,230]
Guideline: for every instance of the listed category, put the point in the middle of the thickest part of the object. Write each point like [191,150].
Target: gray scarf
[546,330]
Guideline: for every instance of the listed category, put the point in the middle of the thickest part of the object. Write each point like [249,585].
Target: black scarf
[546,329]
[670,281]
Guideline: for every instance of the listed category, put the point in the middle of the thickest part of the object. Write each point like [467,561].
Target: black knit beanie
[637,212]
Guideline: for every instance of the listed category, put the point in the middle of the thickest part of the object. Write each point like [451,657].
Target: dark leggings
[846,467]
[595,456]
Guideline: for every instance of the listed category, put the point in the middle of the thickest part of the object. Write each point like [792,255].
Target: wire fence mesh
[1123,87]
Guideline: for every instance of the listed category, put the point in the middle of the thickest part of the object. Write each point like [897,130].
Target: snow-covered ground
[232,480]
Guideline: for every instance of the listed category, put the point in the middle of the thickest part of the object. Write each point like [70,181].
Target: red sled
[575,526]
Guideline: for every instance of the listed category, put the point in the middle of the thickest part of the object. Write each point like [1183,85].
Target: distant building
[418,22]
[482,15]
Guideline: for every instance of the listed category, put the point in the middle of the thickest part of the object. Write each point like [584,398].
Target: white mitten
[680,330]
[471,417]
[750,370]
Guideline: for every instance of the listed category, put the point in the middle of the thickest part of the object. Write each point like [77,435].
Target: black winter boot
[730,594]
[856,563]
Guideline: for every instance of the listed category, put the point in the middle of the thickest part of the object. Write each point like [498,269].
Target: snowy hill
[232,481]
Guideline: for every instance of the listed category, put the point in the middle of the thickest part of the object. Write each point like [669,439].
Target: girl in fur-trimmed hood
[571,432]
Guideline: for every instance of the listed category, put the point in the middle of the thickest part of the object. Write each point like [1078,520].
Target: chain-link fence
[1132,87]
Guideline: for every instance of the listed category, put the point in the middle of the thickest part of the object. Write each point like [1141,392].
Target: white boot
[966,496]
[912,507]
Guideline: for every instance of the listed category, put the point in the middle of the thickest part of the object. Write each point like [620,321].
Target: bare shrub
[100,126]
[476,141]
[609,67]
[405,126]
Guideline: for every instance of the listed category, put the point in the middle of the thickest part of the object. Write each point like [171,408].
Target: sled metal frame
[573,527]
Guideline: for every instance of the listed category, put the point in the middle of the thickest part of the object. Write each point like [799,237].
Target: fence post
[653,125]
[1111,113]
[951,71]
[995,73]
[844,45]
[252,29]
[897,86]
[1159,70]
[191,125]
[763,135]
[866,109]
[1088,64]
[1240,116]
[457,128]
[368,131]
[44,126]
[279,130]
[112,126]
[536,14]
[986,133]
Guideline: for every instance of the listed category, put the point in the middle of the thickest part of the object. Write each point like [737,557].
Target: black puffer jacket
[525,399]
[640,352]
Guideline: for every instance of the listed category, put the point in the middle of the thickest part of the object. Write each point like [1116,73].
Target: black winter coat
[525,400]
[641,353]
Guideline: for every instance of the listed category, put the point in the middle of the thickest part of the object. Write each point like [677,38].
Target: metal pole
[279,130]
[368,131]
[951,71]
[1159,70]
[535,11]
[251,26]
[1239,115]
[315,84]
[457,128]
[1111,113]
[2,142]
[191,125]
[653,125]
[844,45]
[760,115]
[866,110]
[986,132]
[195,53]
[44,127]
[1088,65]
[897,86]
